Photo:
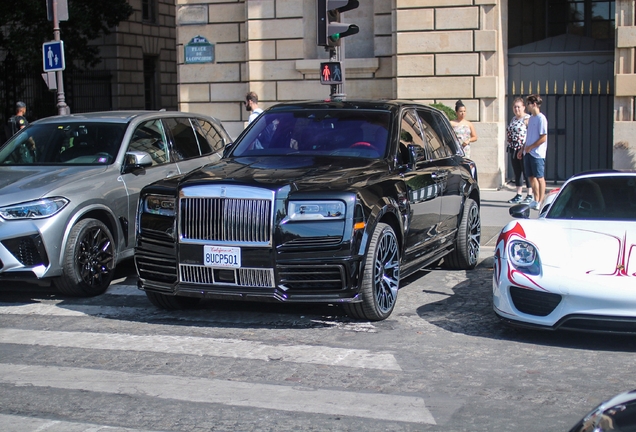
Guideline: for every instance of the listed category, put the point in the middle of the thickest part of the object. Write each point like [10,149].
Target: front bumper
[558,299]
[302,277]
[23,251]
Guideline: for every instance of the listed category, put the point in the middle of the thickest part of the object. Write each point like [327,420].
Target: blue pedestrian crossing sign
[53,56]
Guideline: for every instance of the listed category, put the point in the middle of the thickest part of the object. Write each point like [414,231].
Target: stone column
[625,87]
[453,49]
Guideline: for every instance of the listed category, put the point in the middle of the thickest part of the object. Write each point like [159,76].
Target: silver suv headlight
[316,210]
[39,209]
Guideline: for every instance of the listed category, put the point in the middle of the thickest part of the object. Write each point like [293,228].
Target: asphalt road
[441,362]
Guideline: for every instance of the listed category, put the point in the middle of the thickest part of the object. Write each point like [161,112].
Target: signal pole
[62,108]
[331,33]
[336,54]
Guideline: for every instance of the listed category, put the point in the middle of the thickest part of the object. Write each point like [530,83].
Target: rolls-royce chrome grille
[226,215]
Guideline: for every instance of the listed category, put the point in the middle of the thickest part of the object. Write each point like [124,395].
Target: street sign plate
[53,56]
[199,50]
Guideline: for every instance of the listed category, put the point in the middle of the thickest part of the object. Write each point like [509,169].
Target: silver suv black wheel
[89,260]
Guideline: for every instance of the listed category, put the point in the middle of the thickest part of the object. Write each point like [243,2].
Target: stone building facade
[141,55]
[624,142]
[422,50]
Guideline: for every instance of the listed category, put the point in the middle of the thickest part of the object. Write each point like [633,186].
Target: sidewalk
[494,215]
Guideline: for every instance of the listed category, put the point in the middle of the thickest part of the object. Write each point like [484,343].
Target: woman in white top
[516,140]
[464,129]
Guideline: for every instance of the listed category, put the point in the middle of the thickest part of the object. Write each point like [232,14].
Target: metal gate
[580,125]
[84,91]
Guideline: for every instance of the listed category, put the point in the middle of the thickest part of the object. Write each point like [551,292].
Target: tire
[171,302]
[89,260]
[466,252]
[381,277]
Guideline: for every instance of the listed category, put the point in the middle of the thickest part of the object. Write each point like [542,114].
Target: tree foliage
[450,113]
[24,27]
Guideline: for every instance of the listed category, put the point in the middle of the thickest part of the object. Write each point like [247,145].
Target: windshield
[64,143]
[596,198]
[350,133]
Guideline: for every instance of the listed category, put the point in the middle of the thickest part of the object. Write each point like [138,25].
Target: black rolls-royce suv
[329,202]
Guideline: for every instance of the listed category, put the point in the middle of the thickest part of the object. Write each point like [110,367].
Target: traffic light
[330,29]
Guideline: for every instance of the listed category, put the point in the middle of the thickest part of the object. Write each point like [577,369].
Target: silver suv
[69,188]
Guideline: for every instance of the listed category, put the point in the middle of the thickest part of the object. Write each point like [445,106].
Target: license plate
[221,256]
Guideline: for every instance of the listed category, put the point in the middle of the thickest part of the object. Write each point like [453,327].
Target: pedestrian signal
[331,73]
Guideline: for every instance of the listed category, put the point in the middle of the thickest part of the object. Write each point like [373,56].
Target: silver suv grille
[237,215]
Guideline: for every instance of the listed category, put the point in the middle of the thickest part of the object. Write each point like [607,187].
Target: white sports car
[574,267]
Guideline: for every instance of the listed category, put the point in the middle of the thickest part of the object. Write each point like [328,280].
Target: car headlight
[524,255]
[159,205]
[39,209]
[316,210]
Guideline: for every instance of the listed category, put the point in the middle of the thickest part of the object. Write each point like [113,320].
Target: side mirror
[520,211]
[136,160]
[416,154]
[226,150]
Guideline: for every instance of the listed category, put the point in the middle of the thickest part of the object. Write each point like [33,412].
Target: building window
[149,10]
[150,83]
[534,20]
[588,18]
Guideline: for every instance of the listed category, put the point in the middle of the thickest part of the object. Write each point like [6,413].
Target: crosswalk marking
[189,345]
[277,397]
[281,397]
[55,310]
[15,423]
[64,309]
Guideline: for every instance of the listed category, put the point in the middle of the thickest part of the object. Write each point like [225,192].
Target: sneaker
[534,205]
[527,200]
[517,199]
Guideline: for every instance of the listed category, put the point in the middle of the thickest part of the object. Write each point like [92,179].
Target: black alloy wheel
[381,278]
[89,260]
[467,244]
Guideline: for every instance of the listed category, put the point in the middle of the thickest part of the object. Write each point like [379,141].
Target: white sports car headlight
[160,205]
[524,256]
[316,210]
[39,209]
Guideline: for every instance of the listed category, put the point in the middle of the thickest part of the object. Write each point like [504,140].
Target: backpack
[9,129]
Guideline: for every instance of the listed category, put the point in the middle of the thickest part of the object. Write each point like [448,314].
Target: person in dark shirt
[27,150]
[18,121]
[19,118]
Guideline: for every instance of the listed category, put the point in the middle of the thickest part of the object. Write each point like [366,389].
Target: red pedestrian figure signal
[331,73]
